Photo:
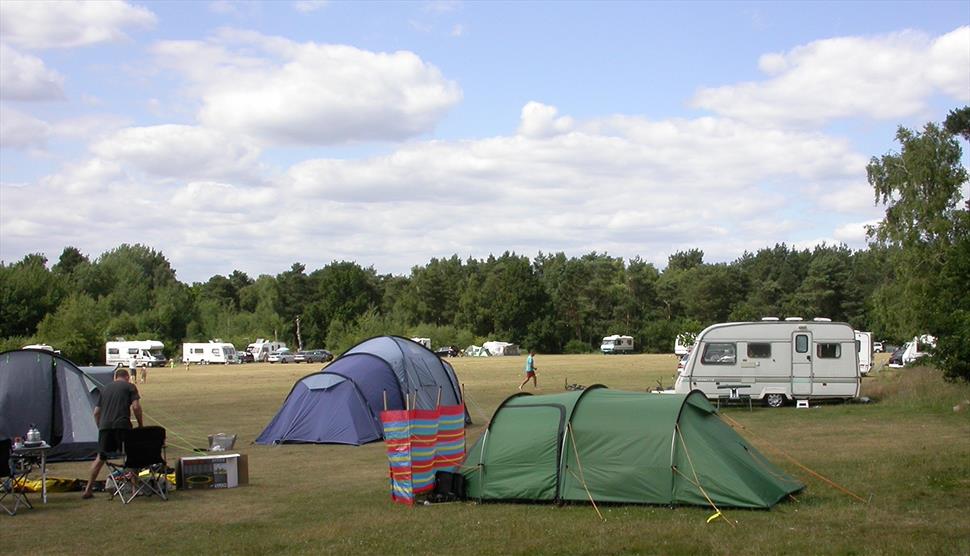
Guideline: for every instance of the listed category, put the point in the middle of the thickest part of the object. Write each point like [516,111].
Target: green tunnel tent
[624,447]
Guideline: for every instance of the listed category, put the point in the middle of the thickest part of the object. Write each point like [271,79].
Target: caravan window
[801,343]
[828,351]
[719,354]
[759,351]
[113,351]
[132,351]
[197,350]
[215,351]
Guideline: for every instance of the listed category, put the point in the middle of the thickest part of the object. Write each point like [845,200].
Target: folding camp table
[26,458]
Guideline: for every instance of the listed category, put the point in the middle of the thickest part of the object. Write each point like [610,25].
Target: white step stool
[801,404]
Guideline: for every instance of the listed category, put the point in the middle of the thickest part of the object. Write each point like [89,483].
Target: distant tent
[42,388]
[624,447]
[477,351]
[342,403]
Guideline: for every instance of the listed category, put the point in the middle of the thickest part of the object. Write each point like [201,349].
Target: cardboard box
[212,471]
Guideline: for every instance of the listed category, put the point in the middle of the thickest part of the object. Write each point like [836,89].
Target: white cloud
[625,185]
[20,131]
[25,77]
[883,77]
[853,232]
[180,151]
[283,92]
[69,23]
[539,120]
[308,6]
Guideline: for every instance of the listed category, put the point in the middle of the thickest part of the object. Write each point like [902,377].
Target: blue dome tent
[341,404]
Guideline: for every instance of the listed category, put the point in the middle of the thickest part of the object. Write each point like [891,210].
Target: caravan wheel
[775,400]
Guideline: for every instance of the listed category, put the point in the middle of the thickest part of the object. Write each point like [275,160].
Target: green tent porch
[622,447]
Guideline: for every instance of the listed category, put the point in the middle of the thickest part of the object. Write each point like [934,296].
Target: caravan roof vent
[793,318]
[769,318]
[822,319]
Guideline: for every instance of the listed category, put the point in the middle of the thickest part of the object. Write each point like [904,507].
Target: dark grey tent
[43,389]
[342,403]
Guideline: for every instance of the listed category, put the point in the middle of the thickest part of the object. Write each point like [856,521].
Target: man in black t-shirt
[116,402]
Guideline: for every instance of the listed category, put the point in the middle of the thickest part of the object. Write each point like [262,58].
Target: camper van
[262,348]
[617,344]
[914,349]
[863,343]
[774,361]
[683,343]
[144,352]
[210,352]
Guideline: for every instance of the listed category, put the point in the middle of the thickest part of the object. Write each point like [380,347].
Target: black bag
[448,487]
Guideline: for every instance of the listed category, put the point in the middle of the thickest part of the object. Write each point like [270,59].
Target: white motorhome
[143,352]
[863,344]
[426,342]
[774,361]
[209,352]
[683,343]
[262,348]
[501,348]
[617,344]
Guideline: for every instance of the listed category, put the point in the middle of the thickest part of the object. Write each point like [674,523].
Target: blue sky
[251,135]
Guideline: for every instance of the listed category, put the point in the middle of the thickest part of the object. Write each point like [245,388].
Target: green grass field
[908,453]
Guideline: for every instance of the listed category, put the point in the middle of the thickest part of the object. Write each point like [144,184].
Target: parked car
[877,347]
[448,351]
[245,357]
[313,356]
[281,356]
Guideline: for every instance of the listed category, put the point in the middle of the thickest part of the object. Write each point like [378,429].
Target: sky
[253,135]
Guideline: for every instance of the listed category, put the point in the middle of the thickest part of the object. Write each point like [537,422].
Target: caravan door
[801,363]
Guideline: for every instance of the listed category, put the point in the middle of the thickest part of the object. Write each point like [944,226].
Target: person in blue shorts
[530,370]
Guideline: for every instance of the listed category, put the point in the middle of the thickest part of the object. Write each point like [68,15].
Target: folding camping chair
[144,450]
[11,476]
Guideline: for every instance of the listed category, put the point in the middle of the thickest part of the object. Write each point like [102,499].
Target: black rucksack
[448,487]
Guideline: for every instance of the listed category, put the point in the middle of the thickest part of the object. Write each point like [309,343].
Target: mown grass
[908,454]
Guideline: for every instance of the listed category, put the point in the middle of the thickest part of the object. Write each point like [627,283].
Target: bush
[577,346]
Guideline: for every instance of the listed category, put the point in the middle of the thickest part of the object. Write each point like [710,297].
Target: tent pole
[437,402]
[385,399]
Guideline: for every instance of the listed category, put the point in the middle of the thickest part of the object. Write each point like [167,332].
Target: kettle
[33,435]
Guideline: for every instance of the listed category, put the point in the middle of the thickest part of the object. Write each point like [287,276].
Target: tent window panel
[720,353]
[759,351]
[828,351]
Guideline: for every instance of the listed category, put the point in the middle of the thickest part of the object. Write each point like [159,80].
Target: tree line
[911,279]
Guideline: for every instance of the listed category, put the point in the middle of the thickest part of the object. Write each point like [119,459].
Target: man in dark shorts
[116,402]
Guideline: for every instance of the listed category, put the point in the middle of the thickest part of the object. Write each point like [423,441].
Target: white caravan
[143,352]
[43,347]
[501,348]
[262,348]
[774,361]
[684,343]
[426,342]
[863,344]
[617,344]
[209,352]
[918,347]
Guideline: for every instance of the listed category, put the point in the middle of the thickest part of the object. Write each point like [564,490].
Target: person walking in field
[530,370]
